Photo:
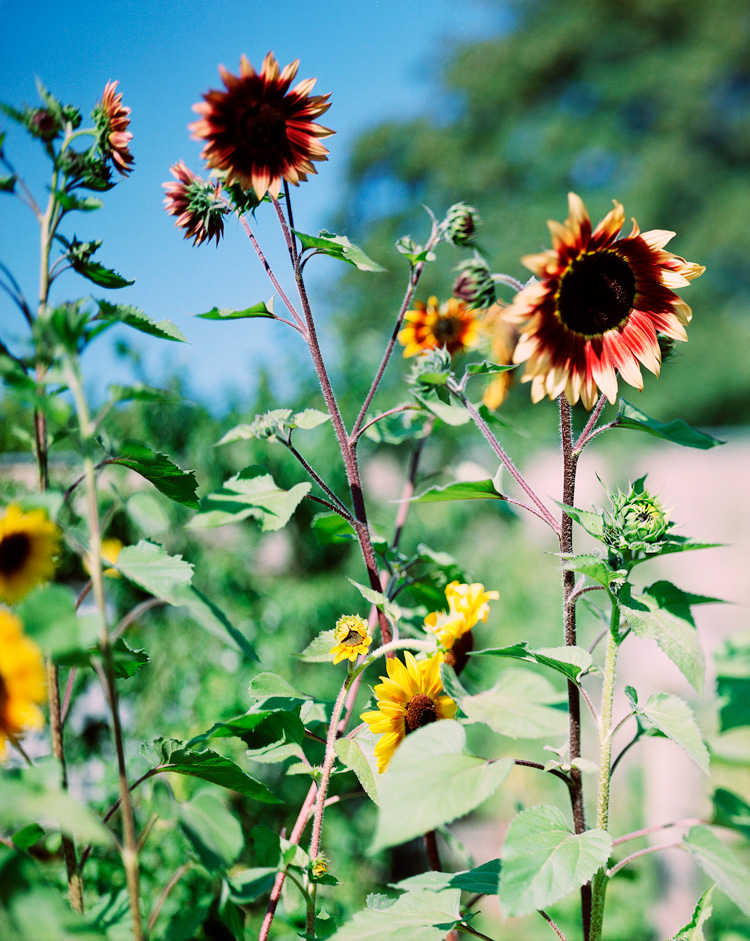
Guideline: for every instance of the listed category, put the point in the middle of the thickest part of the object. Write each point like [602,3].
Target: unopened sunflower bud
[461,224]
[638,523]
[43,123]
[474,284]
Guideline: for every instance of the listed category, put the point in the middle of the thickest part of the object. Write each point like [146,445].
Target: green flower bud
[638,521]
[461,224]
[474,284]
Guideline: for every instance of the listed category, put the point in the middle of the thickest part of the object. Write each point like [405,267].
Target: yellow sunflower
[598,306]
[453,326]
[111,549]
[467,605]
[353,638]
[21,680]
[29,543]
[408,698]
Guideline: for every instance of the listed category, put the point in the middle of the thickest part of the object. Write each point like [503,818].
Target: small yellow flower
[319,866]
[453,326]
[467,604]
[28,544]
[353,636]
[21,680]
[111,549]
[410,697]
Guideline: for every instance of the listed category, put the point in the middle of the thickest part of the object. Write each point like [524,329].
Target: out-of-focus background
[508,106]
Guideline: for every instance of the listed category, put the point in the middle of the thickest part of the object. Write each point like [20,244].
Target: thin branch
[592,707]
[552,925]
[316,477]
[298,325]
[331,506]
[677,844]
[18,747]
[354,437]
[586,434]
[598,639]
[507,279]
[164,895]
[467,929]
[291,242]
[637,834]
[577,592]
[132,616]
[626,749]
[540,767]
[620,724]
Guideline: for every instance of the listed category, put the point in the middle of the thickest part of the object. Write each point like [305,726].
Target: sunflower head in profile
[467,605]
[598,307]
[410,697]
[452,326]
[29,543]
[257,131]
[112,121]
[197,203]
[21,680]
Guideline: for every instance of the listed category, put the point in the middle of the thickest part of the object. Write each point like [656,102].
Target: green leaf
[172,755]
[99,274]
[662,613]
[226,313]
[7,184]
[247,886]
[273,692]
[462,490]
[693,931]
[677,431]
[482,880]
[721,864]
[418,915]
[319,648]
[733,683]
[133,317]
[251,493]
[153,569]
[164,474]
[211,618]
[214,833]
[454,415]
[572,662]
[391,610]
[593,523]
[70,202]
[27,836]
[731,810]
[544,860]
[487,369]
[519,705]
[331,528]
[358,756]
[309,418]
[674,718]
[595,567]
[270,736]
[140,393]
[338,246]
[414,252]
[49,617]
[432,779]
[33,796]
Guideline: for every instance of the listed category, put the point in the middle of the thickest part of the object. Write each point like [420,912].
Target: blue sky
[380,60]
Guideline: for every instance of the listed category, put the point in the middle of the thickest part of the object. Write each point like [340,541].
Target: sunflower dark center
[596,293]
[446,329]
[263,129]
[14,551]
[419,712]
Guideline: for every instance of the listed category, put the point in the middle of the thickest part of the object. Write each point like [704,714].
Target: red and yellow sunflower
[453,326]
[598,306]
[257,131]
[112,121]
[197,204]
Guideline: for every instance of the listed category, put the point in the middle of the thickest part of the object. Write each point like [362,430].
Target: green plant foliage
[482,880]
[164,474]
[133,317]
[49,616]
[432,779]
[693,931]
[337,246]
[677,431]
[463,490]
[424,915]
[213,832]
[573,662]
[731,810]
[544,860]
[721,864]
[733,683]
[224,313]
[674,718]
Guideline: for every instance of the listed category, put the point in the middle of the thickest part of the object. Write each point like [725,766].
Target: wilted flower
[29,543]
[353,638]
[197,203]
[21,680]
[474,284]
[258,131]
[411,696]
[452,326]
[113,136]
[598,307]
[461,224]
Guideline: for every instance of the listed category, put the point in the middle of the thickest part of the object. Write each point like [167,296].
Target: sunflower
[452,325]
[258,131]
[28,545]
[408,698]
[352,638]
[196,203]
[21,680]
[503,339]
[598,306]
[110,552]
[112,122]
[467,605]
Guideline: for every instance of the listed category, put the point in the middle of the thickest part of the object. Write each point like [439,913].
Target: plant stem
[675,844]
[636,834]
[570,465]
[600,880]
[433,854]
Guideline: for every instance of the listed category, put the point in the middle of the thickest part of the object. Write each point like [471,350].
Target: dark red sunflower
[598,306]
[112,122]
[197,204]
[257,131]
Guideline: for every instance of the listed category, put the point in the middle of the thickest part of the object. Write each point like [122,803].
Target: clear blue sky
[380,59]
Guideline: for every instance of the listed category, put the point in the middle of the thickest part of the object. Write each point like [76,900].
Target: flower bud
[638,521]
[461,224]
[44,124]
[474,284]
